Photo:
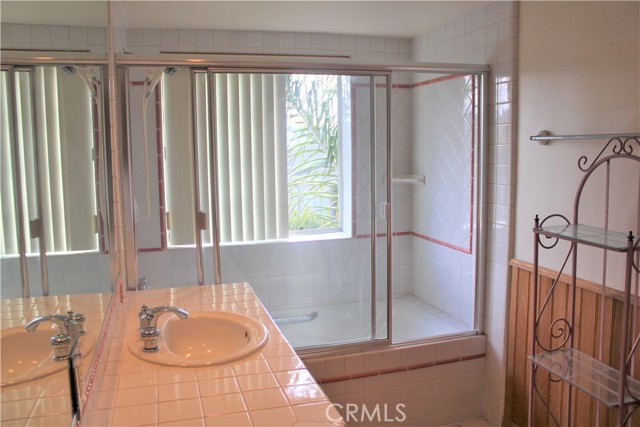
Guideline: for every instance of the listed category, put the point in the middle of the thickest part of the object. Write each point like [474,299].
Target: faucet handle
[79,319]
[61,344]
[149,331]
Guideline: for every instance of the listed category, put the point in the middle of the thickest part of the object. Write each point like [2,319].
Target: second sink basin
[203,339]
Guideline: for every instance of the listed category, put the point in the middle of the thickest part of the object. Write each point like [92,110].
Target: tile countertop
[45,401]
[271,387]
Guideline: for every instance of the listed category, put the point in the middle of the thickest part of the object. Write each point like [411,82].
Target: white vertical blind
[64,133]
[246,164]
[251,144]
[50,159]
[8,224]
[252,157]
[235,163]
[177,136]
[222,136]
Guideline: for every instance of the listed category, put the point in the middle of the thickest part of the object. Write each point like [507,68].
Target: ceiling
[376,18]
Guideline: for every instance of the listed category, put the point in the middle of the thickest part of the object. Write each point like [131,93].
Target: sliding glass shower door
[438,149]
[301,177]
[274,178]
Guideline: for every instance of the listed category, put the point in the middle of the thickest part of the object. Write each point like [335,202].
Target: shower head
[170,71]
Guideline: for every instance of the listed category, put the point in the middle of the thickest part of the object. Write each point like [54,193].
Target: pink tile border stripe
[117,299]
[400,369]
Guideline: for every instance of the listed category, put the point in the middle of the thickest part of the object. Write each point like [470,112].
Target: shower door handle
[385,210]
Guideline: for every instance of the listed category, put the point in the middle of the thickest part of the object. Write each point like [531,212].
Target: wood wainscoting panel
[588,318]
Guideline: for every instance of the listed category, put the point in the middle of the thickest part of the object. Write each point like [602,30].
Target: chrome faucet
[61,342]
[149,331]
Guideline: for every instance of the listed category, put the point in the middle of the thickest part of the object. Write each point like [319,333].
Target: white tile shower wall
[282,274]
[443,117]
[68,274]
[443,277]
[489,35]
[58,37]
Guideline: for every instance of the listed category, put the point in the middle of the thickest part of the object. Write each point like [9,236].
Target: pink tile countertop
[45,401]
[271,387]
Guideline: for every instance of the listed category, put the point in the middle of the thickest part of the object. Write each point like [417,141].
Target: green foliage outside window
[312,152]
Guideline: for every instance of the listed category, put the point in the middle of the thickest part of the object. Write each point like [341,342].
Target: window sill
[297,238]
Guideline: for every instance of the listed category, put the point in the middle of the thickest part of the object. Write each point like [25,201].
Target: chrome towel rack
[544,137]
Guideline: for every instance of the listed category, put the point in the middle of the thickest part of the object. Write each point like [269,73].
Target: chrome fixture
[296,319]
[544,137]
[143,284]
[149,331]
[79,319]
[69,326]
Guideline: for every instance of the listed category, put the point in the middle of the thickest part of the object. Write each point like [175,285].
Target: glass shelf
[588,235]
[593,377]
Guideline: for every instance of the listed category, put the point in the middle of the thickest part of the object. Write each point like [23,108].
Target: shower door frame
[372,74]
[248,63]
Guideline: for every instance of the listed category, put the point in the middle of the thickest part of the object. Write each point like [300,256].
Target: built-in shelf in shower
[408,179]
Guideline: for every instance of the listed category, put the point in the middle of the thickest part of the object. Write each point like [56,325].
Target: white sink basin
[28,356]
[203,339]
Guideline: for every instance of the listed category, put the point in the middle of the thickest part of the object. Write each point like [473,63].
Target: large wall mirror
[54,201]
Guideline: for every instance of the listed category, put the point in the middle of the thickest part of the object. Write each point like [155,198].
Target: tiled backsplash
[77,273]
[282,273]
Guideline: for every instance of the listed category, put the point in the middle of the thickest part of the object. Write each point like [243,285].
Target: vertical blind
[251,144]
[63,124]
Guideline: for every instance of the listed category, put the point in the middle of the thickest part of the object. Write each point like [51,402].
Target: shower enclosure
[281,175]
[437,200]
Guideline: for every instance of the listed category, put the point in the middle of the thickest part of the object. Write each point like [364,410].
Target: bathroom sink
[203,339]
[27,356]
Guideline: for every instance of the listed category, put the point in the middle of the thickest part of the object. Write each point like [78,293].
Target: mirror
[54,201]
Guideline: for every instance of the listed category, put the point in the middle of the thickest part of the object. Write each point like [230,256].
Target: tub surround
[438,382]
[45,401]
[269,387]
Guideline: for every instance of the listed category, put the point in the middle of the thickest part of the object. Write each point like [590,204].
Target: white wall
[579,73]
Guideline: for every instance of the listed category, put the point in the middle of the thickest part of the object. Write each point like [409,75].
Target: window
[279,146]
[63,126]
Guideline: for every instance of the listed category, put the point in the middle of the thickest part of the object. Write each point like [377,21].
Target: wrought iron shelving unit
[611,386]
